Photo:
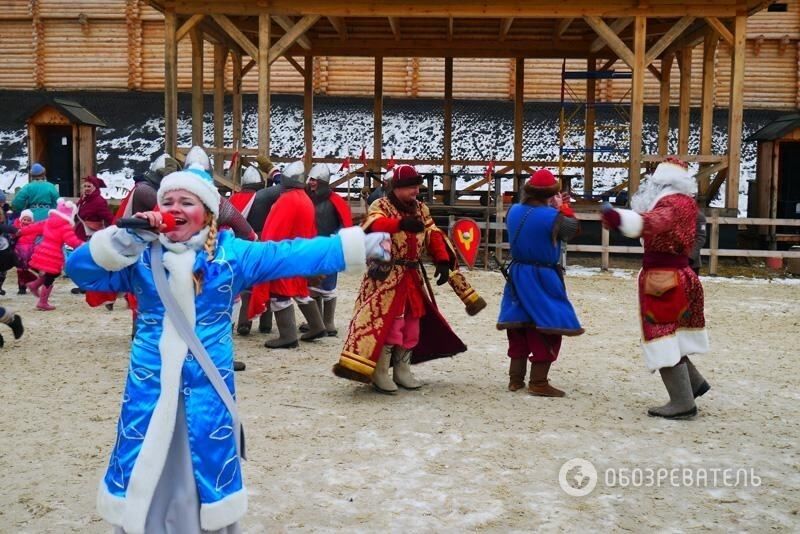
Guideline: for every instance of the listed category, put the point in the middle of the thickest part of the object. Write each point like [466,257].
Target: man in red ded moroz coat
[664,216]
[395,323]
[292,216]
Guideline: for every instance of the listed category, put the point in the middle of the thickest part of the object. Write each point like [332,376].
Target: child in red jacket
[48,256]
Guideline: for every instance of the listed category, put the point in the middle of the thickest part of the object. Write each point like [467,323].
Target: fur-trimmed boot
[329,316]
[539,385]
[265,322]
[14,322]
[287,330]
[316,328]
[318,300]
[517,369]
[381,380]
[699,385]
[44,295]
[403,377]
[681,398]
[244,324]
[34,286]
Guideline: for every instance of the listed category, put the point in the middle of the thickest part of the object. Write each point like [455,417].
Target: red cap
[405,176]
[542,184]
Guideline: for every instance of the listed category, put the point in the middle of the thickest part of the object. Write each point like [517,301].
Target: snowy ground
[460,454]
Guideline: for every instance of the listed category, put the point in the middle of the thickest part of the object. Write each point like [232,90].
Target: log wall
[118,45]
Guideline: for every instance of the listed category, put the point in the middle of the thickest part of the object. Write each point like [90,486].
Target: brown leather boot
[539,384]
[517,368]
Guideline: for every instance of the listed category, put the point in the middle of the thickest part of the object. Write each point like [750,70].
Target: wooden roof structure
[647,36]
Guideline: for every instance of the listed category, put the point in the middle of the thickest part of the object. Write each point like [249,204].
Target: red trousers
[528,343]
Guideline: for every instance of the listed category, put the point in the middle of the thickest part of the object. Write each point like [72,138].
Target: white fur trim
[194,183]
[667,173]
[225,512]
[631,223]
[353,249]
[109,506]
[276,305]
[103,252]
[153,454]
[667,351]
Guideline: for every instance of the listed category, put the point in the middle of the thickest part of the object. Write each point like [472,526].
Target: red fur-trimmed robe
[380,302]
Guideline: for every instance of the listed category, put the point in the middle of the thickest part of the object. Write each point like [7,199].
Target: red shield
[466,237]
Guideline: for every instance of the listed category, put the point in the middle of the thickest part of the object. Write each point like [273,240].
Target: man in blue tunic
[535,311]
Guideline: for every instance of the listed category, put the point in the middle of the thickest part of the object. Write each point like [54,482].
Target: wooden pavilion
[646,36]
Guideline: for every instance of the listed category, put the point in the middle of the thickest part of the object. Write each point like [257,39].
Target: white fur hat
[26,213]
[195,180]
[251,176]
[320,172]
[670,171]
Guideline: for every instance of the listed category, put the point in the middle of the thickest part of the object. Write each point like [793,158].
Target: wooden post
[448,182]
[713,243]
[588,165]
[308,111]
[519,120]
[264,23]
[685,100]
[377,147]
[664,105]
[735,111]
[170,83]
[197,86]
[637,103]
[236,108]
[707,107]
[605,237]
[220,57]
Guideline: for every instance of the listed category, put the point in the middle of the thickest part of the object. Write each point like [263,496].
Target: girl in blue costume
[175,465]
[535,311]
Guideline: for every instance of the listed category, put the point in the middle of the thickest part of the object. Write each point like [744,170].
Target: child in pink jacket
[24,250]
[48,256]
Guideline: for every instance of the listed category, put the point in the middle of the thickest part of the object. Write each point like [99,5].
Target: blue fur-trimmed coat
[161,367]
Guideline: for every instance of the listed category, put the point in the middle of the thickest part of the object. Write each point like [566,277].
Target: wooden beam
[616,27]
[308,111]
[591,93]
[637,103]
[293,62]
[505,26]
[721,29]
[394,25]
[263,56]
[220,58]
[685,99]
[608,64]
[236,34]
[664,105]
[170,83]
[377,115]
[448,126]
[654,71]
[561,27]
[450,25]
[611,39]
[188,25]
[291,36]
[673,33]
[236,108]
[197,87]
[735,115]
[519,117]
[287,24]
[247,68]
[707,102]
[340,26]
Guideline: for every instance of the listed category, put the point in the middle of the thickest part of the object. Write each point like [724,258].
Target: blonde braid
[210,248]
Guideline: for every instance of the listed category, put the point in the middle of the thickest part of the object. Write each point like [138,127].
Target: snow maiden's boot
[401,360]
[381,380]
[681,398]
[517,368]
[34,286]
[316,328]
[699,385]
[44,294]
[265,322]
[329,316]
[287,330]
[539,385]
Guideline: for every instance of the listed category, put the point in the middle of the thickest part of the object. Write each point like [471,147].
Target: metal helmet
[251,176]
[320,172]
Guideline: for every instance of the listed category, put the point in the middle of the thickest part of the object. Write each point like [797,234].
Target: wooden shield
[466,237]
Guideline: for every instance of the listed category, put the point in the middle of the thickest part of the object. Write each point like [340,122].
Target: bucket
[775,263]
